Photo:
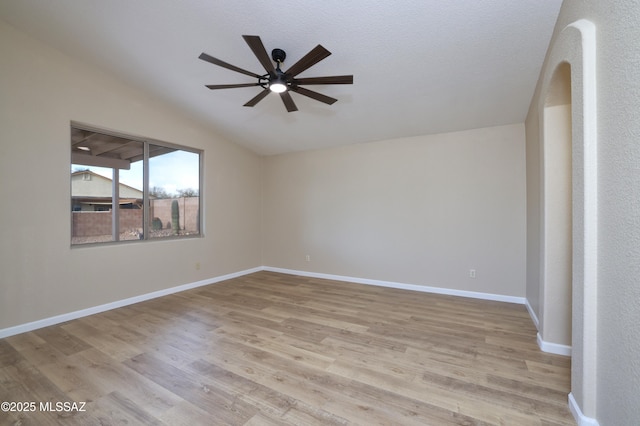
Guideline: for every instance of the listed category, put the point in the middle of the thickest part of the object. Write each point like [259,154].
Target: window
[128,188]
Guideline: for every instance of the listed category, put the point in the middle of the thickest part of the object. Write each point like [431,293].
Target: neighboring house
[92,192]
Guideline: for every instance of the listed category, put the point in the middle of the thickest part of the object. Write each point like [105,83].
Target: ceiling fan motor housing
[278,55]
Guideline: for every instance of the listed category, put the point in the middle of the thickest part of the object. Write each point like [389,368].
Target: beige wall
[555,317]
[533,212]
[420,210]
[40,275]
[608,391]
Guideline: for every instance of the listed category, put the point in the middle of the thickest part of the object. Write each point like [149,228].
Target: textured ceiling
[419,66]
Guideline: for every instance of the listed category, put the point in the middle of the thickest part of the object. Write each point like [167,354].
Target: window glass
[174,192]
[110,170]
[91,204]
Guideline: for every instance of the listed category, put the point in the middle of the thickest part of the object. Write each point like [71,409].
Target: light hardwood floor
[273,349]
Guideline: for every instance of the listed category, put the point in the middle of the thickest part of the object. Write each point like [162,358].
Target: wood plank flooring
[274,349]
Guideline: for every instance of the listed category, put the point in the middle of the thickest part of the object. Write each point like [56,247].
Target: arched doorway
[574,51]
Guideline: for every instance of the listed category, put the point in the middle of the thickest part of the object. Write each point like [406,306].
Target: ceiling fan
[278,81]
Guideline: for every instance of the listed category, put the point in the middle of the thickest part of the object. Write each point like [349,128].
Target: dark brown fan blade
[314,95]
[260,96]
[288,101]
[334,79]
[230,86]
[258,49]
[223,64]
[316,54]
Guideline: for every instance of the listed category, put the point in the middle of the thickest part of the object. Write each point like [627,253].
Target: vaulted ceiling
[419,66]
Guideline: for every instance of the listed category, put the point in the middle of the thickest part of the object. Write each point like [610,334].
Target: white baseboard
[34,325]
[580,418]
[553,348]
[23,328]
[532,314]
[413,287]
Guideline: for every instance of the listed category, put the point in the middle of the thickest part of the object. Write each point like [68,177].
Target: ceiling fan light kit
[278,81]
[277,86]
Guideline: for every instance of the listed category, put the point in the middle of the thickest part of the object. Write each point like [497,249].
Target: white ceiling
[419,66]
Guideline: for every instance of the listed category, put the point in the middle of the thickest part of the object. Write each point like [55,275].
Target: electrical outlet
[472,273]
[197,266]
[307,258]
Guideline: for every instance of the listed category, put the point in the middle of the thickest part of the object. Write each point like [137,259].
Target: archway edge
[576,45]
